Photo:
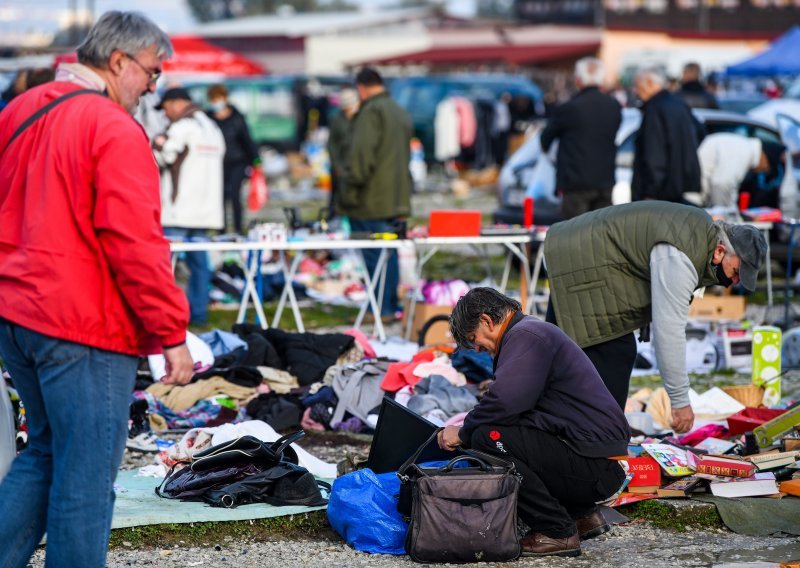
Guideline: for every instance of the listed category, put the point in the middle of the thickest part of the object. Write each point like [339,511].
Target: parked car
[525,173]
[419,95]
[275,106]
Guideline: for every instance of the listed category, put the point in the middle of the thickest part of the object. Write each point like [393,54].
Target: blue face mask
[218,106]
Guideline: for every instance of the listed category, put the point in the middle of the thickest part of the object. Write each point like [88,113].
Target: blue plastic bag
[363,509]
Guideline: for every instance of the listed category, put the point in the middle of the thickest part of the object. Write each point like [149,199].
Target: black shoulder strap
[47,108]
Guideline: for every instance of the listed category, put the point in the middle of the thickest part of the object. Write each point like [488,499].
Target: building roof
[301,25]
[511,45]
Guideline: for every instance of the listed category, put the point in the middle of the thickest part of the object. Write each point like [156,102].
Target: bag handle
[284,441]
[493,460]
[451,464]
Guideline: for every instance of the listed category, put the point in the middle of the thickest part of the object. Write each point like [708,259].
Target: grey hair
[652,73]
[723,236]
[130,32]
[466,315]
[590,72]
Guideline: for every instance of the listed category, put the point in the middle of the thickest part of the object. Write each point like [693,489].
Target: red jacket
[82,252]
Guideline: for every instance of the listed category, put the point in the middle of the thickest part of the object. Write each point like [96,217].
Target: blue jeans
[390,303]
[76,403]
[199,273]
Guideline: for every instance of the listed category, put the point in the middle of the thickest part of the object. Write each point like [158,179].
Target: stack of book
[663,470]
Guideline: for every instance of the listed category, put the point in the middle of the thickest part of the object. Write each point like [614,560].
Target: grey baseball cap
[751,247]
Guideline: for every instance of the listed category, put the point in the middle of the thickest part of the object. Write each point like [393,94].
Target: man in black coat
[692,90]
[665,163]
[241,152]
[586,127]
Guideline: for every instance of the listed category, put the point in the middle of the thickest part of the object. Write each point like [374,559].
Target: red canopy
[195,55]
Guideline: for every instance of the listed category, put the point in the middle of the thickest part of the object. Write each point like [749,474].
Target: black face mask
[720,275]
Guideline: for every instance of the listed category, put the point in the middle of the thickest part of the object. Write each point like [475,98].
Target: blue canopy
[781,58]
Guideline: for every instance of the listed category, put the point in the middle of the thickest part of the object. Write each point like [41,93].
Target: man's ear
[115,62]
[719,252]
[488,321]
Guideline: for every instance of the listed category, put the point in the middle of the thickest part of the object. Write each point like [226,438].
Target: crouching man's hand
[682,419]
[448,438]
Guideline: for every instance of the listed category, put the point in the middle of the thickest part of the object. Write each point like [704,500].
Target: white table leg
[251,292]
[288,292]
[412,304]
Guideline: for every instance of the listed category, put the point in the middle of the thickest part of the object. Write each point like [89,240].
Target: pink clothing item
[457,420]
[708,431]
[306,423]
[447,371]
[362,339]
[401,397]
[467,124]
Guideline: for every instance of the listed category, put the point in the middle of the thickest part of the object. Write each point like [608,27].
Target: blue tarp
[137,504]
[781,58]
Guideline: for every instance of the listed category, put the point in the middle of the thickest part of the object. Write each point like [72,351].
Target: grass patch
[670,516]
[314,316]
[313,525]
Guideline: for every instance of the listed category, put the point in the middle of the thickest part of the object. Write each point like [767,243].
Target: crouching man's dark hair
[466,315]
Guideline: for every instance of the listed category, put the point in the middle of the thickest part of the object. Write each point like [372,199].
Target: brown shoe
[592,525]
[537,544]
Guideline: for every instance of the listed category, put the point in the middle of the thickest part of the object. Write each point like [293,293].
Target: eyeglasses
[152,76]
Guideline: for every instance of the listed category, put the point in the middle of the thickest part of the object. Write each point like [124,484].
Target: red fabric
[82,253]
[401,374]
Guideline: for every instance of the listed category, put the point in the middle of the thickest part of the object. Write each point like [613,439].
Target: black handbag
[219,466]
[282,484]
[247,449]
[460,514]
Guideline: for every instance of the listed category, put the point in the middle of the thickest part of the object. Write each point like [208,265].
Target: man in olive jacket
[377,185]
[615,270]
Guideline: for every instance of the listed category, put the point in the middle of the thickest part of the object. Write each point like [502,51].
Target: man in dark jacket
[586,127]
[548,412]
[665,164]
[692,90]
[241,152]
[376,189]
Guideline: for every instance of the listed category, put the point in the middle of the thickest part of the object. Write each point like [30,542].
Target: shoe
[538,544]
[144,442]
[592,525]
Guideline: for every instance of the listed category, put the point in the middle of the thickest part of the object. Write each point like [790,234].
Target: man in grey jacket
[616,270]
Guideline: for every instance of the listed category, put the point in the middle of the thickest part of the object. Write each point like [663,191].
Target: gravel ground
[633,545]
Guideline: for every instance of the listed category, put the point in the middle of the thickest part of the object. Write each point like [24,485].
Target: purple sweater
[543,380]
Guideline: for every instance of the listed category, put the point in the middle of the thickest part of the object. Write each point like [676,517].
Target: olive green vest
[599,264]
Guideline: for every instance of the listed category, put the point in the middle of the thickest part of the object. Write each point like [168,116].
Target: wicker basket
[749,395]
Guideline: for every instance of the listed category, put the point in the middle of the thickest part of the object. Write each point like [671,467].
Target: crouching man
[549,412]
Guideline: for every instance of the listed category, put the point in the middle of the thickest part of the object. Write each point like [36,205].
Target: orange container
[454,223]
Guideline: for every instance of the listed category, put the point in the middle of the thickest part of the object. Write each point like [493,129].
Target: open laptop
[398,434]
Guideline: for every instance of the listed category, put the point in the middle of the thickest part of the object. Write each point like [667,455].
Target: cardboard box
[718,308]
[437,333]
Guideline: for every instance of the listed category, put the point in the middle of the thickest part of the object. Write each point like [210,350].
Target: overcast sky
[22,16]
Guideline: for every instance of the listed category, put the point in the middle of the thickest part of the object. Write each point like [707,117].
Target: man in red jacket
[85,286]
